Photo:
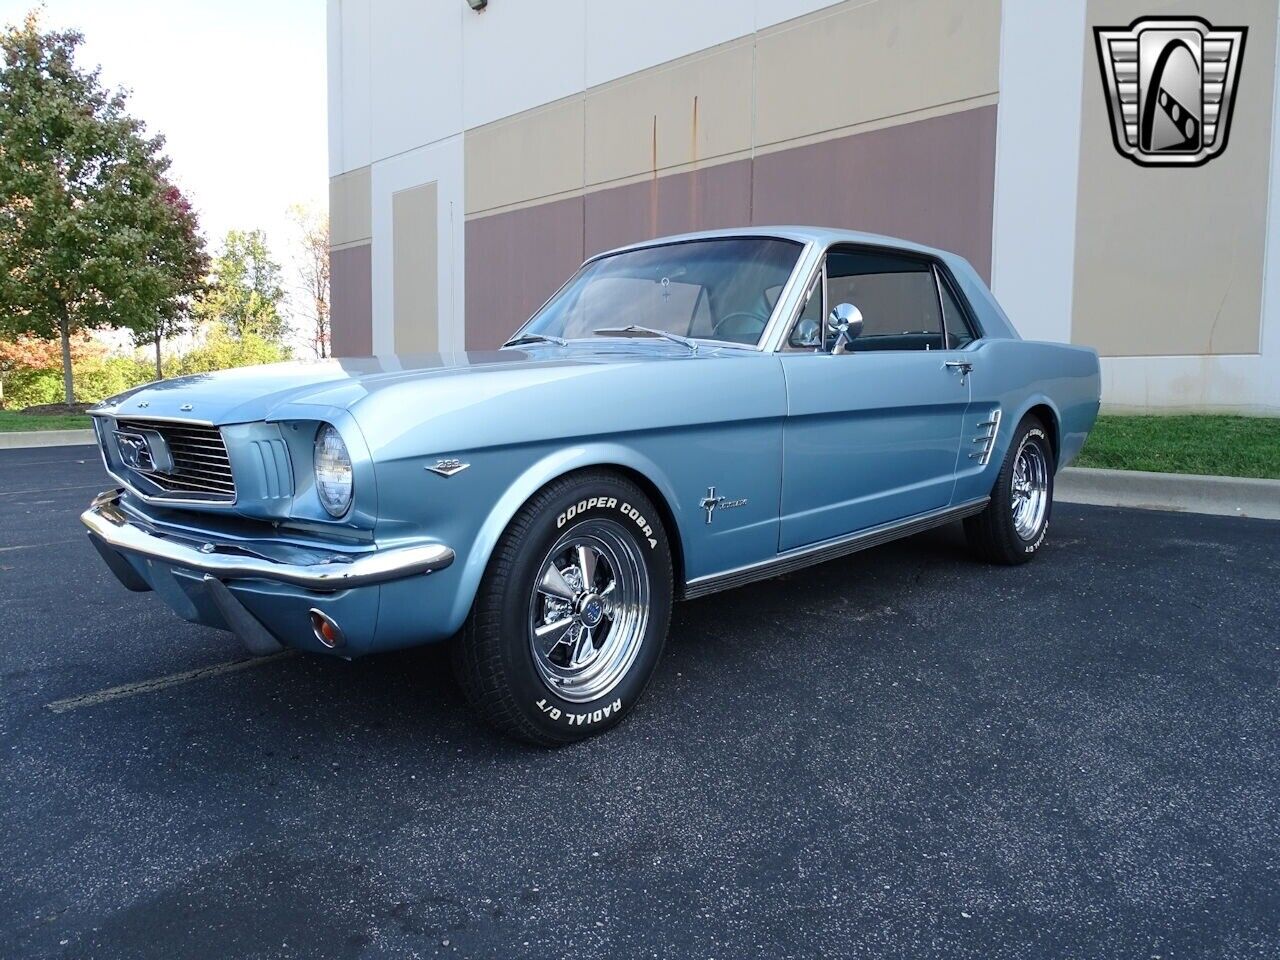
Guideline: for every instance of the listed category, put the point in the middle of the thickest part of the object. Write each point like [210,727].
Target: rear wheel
[1013,526]
[572,613]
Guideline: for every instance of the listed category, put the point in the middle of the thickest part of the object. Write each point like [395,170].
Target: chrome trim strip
[801,557]
[110,524]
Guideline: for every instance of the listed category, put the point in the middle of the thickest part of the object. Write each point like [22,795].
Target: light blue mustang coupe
[684,416]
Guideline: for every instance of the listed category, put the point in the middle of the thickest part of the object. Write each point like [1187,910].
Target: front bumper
[263,592]
[116,529]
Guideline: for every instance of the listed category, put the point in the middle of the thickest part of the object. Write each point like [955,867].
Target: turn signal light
[326,630]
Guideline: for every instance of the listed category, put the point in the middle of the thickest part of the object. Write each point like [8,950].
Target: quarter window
[959,333]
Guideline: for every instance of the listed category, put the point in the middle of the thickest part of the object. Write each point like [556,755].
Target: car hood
[249,394]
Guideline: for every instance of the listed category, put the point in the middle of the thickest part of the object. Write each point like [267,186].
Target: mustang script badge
[1171,84]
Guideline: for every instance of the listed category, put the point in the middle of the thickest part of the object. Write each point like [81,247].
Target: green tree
[177,270]
[247,293]
[91,232]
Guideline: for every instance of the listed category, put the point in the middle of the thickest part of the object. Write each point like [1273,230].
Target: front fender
[474,560]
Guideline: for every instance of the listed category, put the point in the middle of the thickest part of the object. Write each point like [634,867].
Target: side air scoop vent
[985,441]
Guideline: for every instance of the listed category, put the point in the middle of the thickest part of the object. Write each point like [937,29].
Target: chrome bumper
[114,528]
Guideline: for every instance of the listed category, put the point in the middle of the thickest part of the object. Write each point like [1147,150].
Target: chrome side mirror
[846,323]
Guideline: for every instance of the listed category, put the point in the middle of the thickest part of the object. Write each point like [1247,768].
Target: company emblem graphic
[1171,85]
[145,451]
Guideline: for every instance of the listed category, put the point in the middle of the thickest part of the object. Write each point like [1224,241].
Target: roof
[801,234]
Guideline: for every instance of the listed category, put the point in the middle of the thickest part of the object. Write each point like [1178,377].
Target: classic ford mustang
[683,416]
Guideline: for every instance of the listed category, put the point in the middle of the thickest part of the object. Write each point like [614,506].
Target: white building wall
[521,55]
[1037,165]
[415,74]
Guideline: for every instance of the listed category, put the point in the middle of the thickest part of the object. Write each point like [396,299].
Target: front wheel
[572,613]
[1012,528]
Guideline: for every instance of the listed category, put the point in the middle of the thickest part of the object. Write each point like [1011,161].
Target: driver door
[872,434]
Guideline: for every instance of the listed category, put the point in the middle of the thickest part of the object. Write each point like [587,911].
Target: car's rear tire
[1014,524]
[572,613]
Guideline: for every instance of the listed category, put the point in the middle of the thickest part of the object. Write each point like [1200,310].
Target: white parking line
[160,683]
[74,486]
[32,546]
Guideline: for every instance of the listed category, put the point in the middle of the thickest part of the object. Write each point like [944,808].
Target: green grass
[1224,446]
[12,422]
[1227,446]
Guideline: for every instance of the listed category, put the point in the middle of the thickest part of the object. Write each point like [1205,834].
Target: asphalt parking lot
[903,754]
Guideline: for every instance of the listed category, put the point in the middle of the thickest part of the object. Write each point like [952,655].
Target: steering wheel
[748,324]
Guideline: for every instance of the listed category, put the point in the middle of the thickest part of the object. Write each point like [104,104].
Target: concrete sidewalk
[1189,493]
[25,439]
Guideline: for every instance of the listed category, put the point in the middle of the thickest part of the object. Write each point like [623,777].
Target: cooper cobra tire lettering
[610,503]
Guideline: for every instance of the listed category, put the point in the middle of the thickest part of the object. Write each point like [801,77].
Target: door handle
[964,366]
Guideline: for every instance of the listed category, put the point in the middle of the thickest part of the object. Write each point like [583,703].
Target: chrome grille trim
[202,468]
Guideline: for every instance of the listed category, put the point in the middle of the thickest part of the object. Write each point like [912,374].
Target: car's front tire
[1014,524]
[572,613]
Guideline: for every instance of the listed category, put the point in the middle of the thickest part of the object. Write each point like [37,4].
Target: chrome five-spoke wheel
[588,611]
[1030,490]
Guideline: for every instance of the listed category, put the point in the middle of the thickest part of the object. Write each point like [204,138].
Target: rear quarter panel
[1017,375]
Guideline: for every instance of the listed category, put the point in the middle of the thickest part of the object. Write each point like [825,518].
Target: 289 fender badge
[447,468]
[1170,84]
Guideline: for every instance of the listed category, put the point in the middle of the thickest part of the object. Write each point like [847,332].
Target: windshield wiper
[634,330]
[536,338]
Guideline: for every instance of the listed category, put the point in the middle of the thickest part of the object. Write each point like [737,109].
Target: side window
[959,333]
[898,297]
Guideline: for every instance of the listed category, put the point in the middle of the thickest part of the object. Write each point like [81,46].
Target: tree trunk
[159,366]
[64,329]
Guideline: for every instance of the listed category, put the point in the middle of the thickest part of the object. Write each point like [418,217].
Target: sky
[237,87]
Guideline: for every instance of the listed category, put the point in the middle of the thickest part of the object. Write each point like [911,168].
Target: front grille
[201,469]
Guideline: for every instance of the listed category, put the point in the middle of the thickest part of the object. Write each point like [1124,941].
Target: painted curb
[27,439]
[1189,493]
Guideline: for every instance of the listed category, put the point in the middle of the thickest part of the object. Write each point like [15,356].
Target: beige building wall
[1170,261]
[415,251]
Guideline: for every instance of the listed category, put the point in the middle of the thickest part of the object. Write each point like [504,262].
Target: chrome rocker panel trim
[109,524]
[802,557]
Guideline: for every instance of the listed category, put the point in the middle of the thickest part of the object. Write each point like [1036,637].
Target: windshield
[719,289]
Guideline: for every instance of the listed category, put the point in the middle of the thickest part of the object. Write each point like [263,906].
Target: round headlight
[333,471]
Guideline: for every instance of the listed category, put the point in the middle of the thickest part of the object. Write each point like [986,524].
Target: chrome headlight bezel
[333,472]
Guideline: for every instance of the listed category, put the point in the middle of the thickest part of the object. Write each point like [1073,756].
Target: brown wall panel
[705,199]
[351,317]
[515,260]
[931,181]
